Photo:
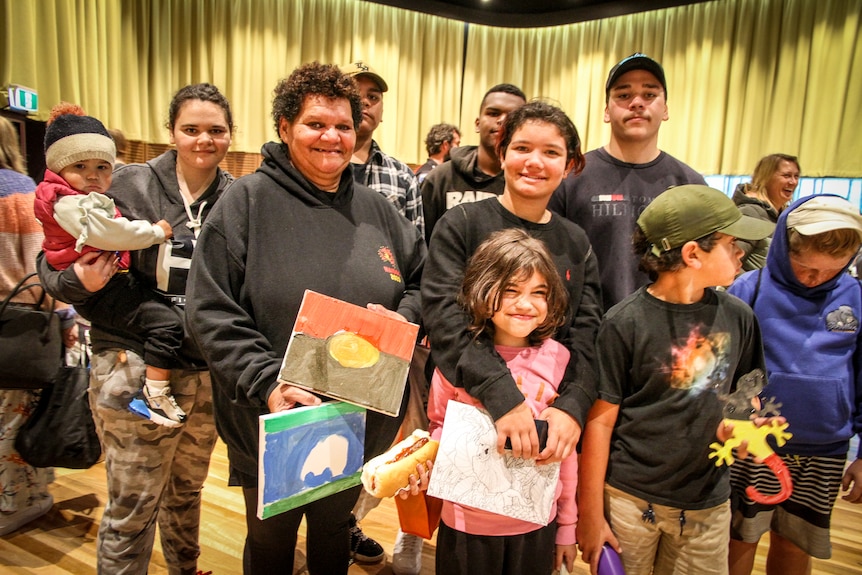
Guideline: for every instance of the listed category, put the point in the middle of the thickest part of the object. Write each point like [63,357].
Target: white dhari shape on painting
[329,453]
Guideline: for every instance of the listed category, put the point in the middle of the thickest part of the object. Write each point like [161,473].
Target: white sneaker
[407,554]
[164,402]
[159,406]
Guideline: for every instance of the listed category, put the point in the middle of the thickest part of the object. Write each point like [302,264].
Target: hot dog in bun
[385,474]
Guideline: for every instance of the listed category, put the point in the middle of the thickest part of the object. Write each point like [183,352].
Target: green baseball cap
[681,214]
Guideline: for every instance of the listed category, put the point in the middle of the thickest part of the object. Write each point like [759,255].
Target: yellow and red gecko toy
[740,408]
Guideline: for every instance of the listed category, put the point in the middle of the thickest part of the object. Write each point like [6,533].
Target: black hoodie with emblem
[273,236]
[457,181]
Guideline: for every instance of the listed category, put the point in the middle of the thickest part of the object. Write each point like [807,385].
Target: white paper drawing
[468,470]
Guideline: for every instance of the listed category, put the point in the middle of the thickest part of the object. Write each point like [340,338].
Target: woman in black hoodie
[299,222]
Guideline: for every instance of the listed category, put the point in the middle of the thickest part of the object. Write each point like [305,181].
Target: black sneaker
[363,549]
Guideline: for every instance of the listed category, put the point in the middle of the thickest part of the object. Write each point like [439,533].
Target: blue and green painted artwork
[308,453]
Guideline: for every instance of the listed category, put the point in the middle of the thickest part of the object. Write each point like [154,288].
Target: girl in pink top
[512,291]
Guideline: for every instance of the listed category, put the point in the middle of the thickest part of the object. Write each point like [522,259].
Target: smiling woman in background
[771,188]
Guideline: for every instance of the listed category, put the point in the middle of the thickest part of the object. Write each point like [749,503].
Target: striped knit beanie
[73,136]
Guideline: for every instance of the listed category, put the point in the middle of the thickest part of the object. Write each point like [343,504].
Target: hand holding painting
[382,310]
[348,352]
[286,397]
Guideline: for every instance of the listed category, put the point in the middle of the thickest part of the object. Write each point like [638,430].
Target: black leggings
[270,545]
[460,553]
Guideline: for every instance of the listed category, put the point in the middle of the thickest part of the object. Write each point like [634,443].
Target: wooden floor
[63,541]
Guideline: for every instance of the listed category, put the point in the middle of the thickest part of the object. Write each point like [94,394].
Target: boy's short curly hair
[668,261]
[438,135]
[314,79]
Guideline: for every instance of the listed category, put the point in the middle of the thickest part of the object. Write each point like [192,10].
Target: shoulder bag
[31,341]
[60,431]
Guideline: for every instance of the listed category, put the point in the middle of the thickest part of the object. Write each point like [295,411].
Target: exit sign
[22,99]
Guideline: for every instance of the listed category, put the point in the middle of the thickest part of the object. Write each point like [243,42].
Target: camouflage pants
[155,473]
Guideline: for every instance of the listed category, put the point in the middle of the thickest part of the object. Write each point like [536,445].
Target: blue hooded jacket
[812,347]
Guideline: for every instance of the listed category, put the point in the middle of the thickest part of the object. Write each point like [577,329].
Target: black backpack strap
[756,288]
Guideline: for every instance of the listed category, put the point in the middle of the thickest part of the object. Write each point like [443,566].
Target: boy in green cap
[666,355]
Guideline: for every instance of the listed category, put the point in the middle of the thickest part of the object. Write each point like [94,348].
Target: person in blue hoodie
[809,311]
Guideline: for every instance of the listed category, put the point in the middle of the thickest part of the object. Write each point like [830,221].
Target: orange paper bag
[419,514]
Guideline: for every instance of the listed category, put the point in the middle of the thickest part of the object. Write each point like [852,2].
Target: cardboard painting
[468,470]
[308,453]
[349,353]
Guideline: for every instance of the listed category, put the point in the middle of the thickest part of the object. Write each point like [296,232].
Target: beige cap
[825,213]
[362,69]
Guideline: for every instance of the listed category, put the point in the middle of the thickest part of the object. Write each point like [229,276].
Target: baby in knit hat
[77,219]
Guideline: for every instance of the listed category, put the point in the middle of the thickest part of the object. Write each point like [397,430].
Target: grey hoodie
[755,252]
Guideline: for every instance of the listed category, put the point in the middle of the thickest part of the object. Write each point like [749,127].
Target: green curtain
[745,77]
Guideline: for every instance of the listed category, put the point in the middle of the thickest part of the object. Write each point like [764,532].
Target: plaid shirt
[395,181]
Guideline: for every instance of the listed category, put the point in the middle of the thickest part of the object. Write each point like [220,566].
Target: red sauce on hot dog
[408,450]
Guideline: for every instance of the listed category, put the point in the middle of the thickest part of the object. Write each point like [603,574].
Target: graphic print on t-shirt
[700,361]
[172,271]
[390,266]
[618,205]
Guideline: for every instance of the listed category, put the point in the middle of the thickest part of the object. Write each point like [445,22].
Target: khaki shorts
[696,546]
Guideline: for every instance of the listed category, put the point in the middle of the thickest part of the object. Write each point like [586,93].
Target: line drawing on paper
[469,471]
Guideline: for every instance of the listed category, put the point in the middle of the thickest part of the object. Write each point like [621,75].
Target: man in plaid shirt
[396,181]
[371,167]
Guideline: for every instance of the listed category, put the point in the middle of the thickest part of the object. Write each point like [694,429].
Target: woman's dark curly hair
[668,261]
[541,111]
[314,79]
[505,258]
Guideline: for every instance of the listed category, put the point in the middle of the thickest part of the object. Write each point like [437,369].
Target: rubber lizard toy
[740,409]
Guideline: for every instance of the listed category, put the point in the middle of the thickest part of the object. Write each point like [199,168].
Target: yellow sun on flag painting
[352,350]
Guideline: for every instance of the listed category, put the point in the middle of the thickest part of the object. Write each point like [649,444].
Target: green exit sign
[22,99]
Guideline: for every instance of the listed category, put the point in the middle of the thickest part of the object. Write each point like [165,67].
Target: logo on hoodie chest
[842,319]
[172,267]
[390,266]
[455,198]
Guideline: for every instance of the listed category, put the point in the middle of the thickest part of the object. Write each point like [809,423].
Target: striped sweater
[20,233]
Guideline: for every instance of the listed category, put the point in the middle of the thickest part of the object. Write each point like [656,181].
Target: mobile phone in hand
[541,429]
